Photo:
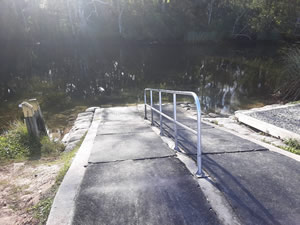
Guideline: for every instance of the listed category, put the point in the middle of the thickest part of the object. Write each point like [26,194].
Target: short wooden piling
[33,118]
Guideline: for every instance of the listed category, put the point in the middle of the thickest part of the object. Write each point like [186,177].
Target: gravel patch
[287,118]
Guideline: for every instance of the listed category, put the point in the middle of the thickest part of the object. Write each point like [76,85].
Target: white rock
[66,138]
[79,132]
[92,109]
[76,137]
[71,146]
[84,119]
[85,114]
[83,125]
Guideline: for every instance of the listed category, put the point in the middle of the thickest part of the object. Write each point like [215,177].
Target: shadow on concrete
[257,214]
[155,192]
[134,178]
[261,186]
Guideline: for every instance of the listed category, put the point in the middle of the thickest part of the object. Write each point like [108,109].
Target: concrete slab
[262,187]
[180,118]
[215,141]
[120,114]
[155,192]
[116,147]
[123,127]
[62,209]
[167,124]
[168,110]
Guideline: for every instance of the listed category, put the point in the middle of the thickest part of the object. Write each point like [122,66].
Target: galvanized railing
[174,119]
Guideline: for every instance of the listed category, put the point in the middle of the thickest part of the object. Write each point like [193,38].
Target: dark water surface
[226,77]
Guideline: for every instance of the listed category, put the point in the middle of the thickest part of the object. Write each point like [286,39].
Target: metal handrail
[174,119]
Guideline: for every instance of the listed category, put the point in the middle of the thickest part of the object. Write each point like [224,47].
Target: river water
[226,77]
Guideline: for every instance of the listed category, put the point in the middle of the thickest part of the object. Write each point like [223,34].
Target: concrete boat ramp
[124,173]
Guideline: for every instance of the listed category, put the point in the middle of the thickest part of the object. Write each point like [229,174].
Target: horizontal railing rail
[174,119]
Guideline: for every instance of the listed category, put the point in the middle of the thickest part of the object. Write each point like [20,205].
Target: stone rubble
[79,129]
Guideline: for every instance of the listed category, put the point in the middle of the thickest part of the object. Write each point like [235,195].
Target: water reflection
[102,73]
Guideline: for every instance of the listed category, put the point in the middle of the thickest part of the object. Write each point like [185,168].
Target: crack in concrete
[211,153]
[137,159]
[220,153]
[232,152]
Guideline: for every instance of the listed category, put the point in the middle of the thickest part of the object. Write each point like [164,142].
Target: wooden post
[39,116]
[33,118]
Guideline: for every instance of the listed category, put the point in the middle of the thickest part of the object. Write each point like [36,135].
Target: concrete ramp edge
[63,206]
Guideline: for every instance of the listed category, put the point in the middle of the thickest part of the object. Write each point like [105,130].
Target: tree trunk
[210,10]
[121,10]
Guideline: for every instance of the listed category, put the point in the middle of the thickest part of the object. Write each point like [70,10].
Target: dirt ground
[21,187]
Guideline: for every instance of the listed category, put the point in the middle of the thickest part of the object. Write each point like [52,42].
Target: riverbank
[28,185]
[27,188]
[58,120]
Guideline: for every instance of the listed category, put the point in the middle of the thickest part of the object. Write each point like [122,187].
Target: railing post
[145,100]
[175,125]
[160,116]
[199,150]
[151,101]
[198,132]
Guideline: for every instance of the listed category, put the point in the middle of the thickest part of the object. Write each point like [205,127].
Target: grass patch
[268,142]
[292,146]
[49,147]
[294,103]
[42,209]
[215,122]
[16,144]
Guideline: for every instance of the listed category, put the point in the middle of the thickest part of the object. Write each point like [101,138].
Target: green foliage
[49,147]
[53,95]
[151,19]
[42,209]
[290,89]
[66,158]
[295,102]
[293,146]
[293,143]
[292,63]
[16,143]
